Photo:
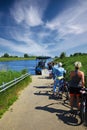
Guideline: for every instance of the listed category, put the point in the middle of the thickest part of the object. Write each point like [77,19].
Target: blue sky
[43,27]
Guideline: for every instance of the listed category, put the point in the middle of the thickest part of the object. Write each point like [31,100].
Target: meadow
[68,64]
[15,58]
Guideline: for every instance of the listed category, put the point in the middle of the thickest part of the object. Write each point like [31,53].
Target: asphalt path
[35,111]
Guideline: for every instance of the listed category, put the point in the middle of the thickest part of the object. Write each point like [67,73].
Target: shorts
[75,91]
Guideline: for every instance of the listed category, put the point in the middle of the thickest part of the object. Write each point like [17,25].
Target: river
[19,65]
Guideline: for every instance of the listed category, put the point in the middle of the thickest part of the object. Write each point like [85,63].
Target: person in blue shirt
[59,74]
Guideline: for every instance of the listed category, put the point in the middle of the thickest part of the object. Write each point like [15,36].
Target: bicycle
[62,88]
[83,107]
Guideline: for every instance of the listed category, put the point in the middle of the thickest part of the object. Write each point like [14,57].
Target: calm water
[19,65]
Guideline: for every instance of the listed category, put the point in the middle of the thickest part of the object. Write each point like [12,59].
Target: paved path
[35,111]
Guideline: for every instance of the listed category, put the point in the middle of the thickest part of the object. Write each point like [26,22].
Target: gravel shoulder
[35,111]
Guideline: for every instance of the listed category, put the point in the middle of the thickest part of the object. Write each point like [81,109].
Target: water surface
[19,65]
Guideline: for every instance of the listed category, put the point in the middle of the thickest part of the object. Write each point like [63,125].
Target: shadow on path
[43,90]
[42,87]
[44,77]
[65,115]
[40,93]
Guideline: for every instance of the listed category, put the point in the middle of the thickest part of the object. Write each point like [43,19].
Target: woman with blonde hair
[76,83]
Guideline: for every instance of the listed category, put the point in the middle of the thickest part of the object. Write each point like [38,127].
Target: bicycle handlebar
[83,91]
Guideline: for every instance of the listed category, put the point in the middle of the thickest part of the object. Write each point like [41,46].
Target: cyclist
[76,82]
[59,74]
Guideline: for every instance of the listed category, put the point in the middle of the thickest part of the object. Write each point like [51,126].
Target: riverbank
[16,58]
[35,111]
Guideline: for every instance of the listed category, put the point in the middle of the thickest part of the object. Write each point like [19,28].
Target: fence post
[86,81]
[3,85]
[15,79]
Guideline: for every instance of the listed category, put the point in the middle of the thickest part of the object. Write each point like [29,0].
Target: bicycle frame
[64,87]
[84,106]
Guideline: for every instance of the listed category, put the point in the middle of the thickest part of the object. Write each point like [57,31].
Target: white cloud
[43,34]
[54,24]
[66,31]
[29,16]
[29,47]
[71,21]
[29,12]
[71,27]
[18,14]
[33,17]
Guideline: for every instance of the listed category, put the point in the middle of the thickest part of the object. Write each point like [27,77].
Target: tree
[6,55]
[56,57]
[62,55]
[26,55]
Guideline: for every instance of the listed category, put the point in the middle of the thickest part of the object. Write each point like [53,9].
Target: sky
[43,27]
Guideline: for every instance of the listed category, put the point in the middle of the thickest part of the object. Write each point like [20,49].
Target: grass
[68,64]
[8,97]
[15,58]
[6,76]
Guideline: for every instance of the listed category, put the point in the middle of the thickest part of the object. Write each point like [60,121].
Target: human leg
[78,98]
[78,101]
[60,88]
[72,96]
[55,85]
[71,100]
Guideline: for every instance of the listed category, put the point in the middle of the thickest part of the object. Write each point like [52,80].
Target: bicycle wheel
[66,92]
[85,121]
[83,112]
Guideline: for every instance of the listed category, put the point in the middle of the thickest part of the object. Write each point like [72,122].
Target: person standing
[76,83]
[59,75]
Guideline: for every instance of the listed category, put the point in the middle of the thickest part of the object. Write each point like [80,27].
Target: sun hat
[59,64]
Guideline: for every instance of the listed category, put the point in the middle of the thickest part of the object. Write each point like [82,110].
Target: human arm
[83,80]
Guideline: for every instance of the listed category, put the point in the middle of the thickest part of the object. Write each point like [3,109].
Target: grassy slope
[8,97]
[68,63]
[6,76]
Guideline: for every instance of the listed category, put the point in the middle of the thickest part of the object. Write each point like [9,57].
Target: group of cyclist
[75,84]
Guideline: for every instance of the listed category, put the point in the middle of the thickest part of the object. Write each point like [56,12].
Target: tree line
[6,55]
[62,55]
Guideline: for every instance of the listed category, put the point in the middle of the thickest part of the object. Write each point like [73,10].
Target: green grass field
[68,64]
[15,58]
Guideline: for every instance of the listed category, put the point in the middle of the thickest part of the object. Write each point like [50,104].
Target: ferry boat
[41,64]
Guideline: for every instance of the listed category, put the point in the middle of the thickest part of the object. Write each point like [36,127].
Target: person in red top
[76,82]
